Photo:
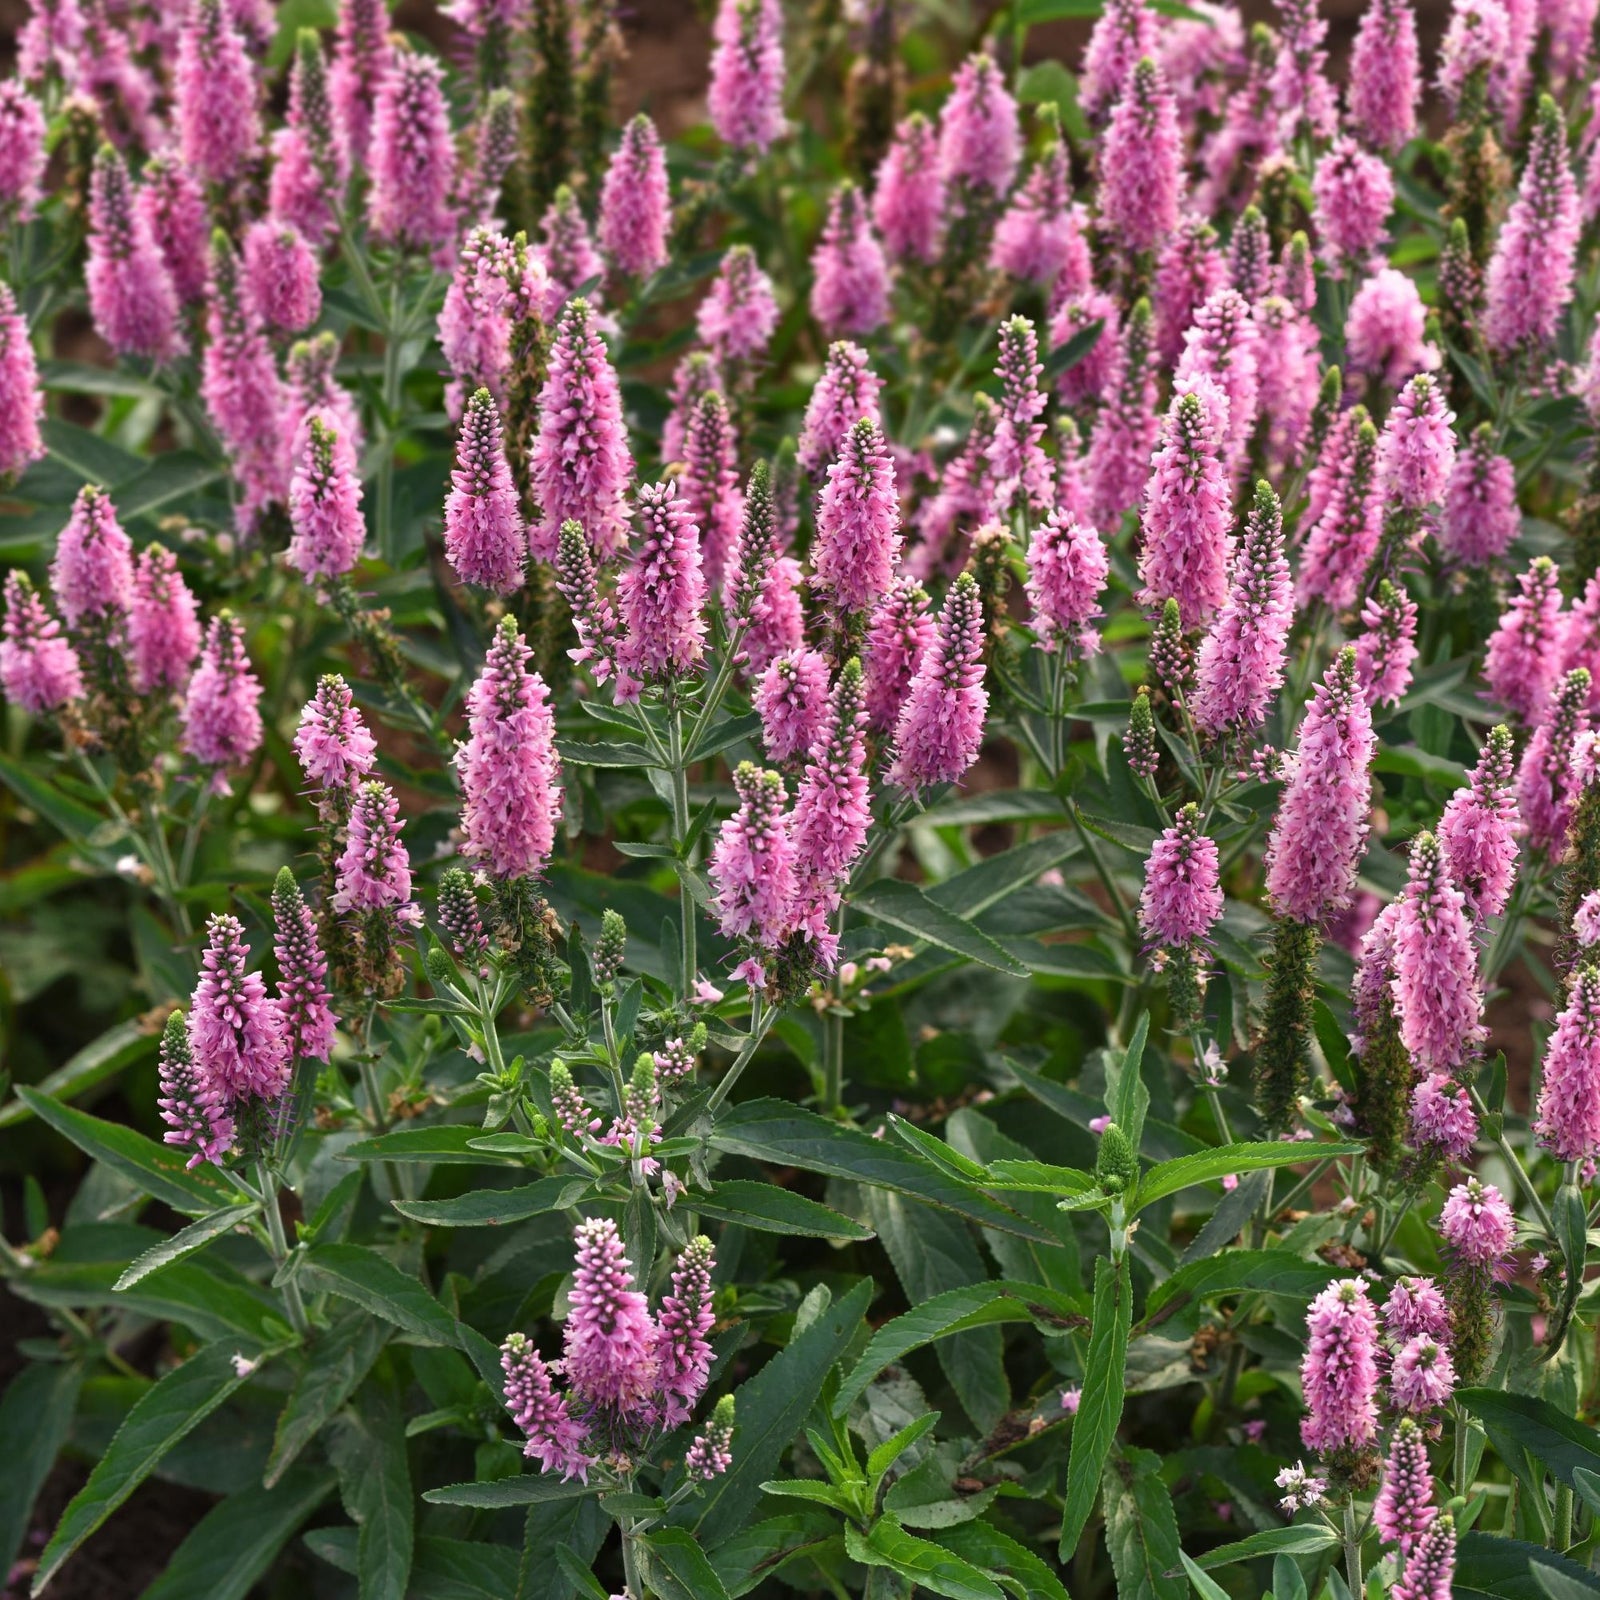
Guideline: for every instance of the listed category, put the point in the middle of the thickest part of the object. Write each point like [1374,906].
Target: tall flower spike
[1385,84]
[593,618]
[131,297]
[325,503]
[1221,345]
[1522,661]
[747,71]
[1321,827]
[412,159]
[1089,378]
[635,202]
[1340,1372]
[1020,470]
[360,58]
[21,399]
[737,318]
[1040,239]
[1529,280]
[163,623]
[1387,646]
[857,540]
[980,143]
[711,1453]
[1250,269]
[310,160]
[752,863]
[940,730]
[846,392]
[1568,1119]
[1187,510]
[1141,162]
[462,922]
[1189,270]
[510,772]
[1545,779]
[685,1318]
[1479,828]
[1418,448]
[791,700]
[1123,33]
[570,257]
[1385,332]
[1239,668]
[91,573]
[1432,1564]
[1182,898]
[898,634]
[611,1357]
[1354,193]
[374,872]
[661,597]
[555,1437]
[238,1035]
[1443,1123]
[1126,430]
[22,151]
[194,1108]
[335,749]
[1067,570]
[1476,1224]
[1438,997]
[756,552]
[908,203]
[484,539]
[850,278]
[1301,91]
[580,465]
[1404,1506]
[709,486]
[1481,518]
[39,670]
[174,209]
[281,275]
[1345,537]
[1422,1377]
[221,711]
[302,972]
[312,384]
[216,111]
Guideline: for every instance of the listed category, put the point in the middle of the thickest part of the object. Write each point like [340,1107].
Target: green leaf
[527,1489]
[926,1497]
[77,377]
[1554,1439]
[163,1415]
[975,1306]
[999,1553]
[887,1544]
[493,1208]
[784,1135]
[606,753]
[170,478]
[1141,1528]
[103,1058]
[335,1364]
[195,1237]
[369,1451]
[772,1210]
[69,817]
[769,1410]
[1304,1539]
[755,1553]
[1040,1177]
[1127,1098]
[1205,1166]
[1066,356]
[902,905]
[678,1567]
[1492,1568]
[1571,1220]
[35,1418]
[813,1490]
[375,1282]
[1206,1588]
[94,459]
[230,1549]
[1100,1410]
[1234,1272]
[443,1144]
[886,1454]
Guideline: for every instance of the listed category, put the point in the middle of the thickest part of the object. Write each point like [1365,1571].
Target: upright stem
[1514,1161]
[392,344]
[680,832]
[632,1585]
[268,1184]
[1352,1551]
[832,1059]
[761,1018]
[1460,1463]
[1561,1535]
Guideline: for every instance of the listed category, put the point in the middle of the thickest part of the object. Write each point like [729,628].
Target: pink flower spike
[580,465]
[325,503]
[1040,239]
[131,297]
[163,624]
[1346,535]
[635,202]
[1340,1372]
[510,772]
[979,141]
[221,715]
[711,1453]
[302,973]
[1123,33]
[239,1036]
[908,205]
[739,315]
[1387,646]
[1437,995]
[857,541]
[1221,345]
[91,573]
[1568,1120]
[753,864]
[412,158]
[1415,1306]
[593,617]
[899,632]
[1522,661]
[1067,570]
[1481,517]
[685,1318]
[555,1437]
[1385,84]
[1321,827]
[360,60]
[22,151]
[747,74]
[39,670]
[374,872]
[311,163]
[1479,829]
[1127,428]
[312,385]
[1239,668]
[570,258]
[1019,469]
[1386,330]
[1182,898]
[791,700]
[21,398]
[1442,1119]
[484,539]
[1418,448]
[1476,1224]
[1301,91]
[332,742]
[216,113]
[1189,270]
[281,276]
[1422,1378]
[940,729]
[173,207]
[1141,162]
[612,1355]
[1404,1506]
[1431,1566]
[1546,783]
[846,393]
[709,486]
[850,278]
[661,596]
[194,1108]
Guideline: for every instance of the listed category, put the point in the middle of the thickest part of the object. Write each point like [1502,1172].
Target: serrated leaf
[369,1451]
[443,1144]
[1206,1588]
[1206,1166]
[103,1058]
[527,1489]
[1100,1409]
[1303,1539]
[755,1553]
[901,905]
[1233,1272]
[1141,1528]
[35,1418]
[494,1208]
[375,1282]
[999,1553]
[1558,1442]
[70,817]
[770,1209]
[336,1362]
[887,1544]
[185,1242]
[678,1567]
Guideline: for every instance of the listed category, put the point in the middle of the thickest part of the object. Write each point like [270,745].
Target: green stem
[392,344]
[633,1584]
[680,832]
[1513,1161]
[1561,1534]
[1459,1476]
[761,1018]
[833,1059]
[1352,1550]
[268,1185]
